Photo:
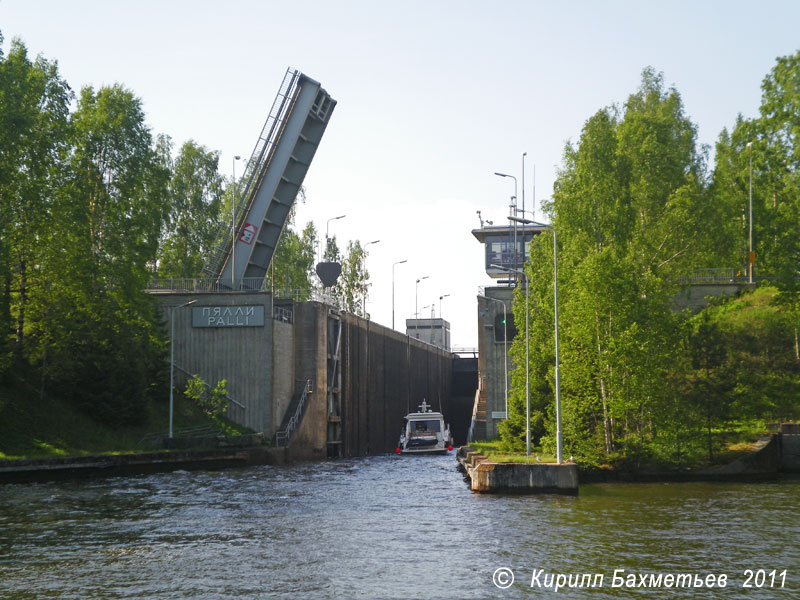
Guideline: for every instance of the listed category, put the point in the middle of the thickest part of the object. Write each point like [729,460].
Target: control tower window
[500,251]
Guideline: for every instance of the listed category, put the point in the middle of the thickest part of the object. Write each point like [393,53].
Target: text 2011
[764,579]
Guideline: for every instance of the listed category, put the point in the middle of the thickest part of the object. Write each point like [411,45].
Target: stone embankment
[772,455]
[49,469]
[517,478]
[762,464]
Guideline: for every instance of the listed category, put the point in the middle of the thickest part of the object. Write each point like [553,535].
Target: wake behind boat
[424,432]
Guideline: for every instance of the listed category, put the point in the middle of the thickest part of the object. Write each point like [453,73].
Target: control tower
[504,246]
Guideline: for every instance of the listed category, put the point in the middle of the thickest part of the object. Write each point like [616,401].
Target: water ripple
[381,527]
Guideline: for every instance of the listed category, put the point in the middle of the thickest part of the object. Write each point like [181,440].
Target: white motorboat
[424,432]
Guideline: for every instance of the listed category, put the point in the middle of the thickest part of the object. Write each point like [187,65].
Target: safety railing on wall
[710,276]
[284,315]
[282,438]
[203,284]
[197,285]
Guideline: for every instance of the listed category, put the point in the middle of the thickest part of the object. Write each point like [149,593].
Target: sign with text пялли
[227,316]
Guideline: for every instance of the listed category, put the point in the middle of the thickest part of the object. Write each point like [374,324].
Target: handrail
[196,431]
[715,275]
[282,438]
[198,285]
[710,276]
[203,284]
[284,315]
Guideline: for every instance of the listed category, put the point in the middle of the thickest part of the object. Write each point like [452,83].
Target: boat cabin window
[425,426]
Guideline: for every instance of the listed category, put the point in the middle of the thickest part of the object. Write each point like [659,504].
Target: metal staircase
[272,179]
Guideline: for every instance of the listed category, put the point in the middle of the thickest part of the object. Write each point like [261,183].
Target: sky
[433,97]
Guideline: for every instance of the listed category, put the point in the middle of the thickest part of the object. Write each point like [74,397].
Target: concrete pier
[517,478]
[790,448]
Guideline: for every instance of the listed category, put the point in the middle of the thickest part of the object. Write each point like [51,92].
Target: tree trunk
[44,371]
[23,298]
[5,306]
[606,424]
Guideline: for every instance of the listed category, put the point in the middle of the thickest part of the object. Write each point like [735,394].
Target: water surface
[382,527]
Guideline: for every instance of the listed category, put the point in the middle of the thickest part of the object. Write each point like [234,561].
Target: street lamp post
[440,303]
[233,226]
[416,297]
[559,442]
[430,331]
[172,356]
[327,229]
[512,177]
[751,258]
[399,262]
[514,209]
[524,154]
[364,297]
[444,341]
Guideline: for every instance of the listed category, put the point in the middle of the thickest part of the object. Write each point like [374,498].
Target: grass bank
[495,450]
[32,426]
[736,441]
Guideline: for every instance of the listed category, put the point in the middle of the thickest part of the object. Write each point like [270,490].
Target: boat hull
[436,450]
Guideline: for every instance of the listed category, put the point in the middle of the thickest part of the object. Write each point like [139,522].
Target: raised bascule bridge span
[243,251]
[316,380]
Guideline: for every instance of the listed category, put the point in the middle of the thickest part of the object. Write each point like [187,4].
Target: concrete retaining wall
[790,458]
[283,380]
[310,356]
[492,359]
[240,355]
[695,296]
[386,375]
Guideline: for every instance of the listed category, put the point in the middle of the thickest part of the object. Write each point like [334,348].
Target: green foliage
[83,203]
[353,283]
[639,382]
[46,426]
[294,261]
[34,111]
[212,401]
[628,207]
[352,288]
[761,361]
[195,215]
[766,152]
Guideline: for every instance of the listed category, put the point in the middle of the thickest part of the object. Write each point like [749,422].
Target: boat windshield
[425,426]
